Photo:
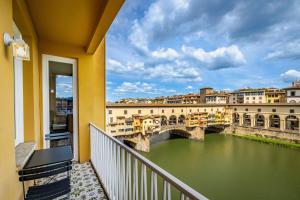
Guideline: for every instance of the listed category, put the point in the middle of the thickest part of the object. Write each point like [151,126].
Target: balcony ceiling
[70,22]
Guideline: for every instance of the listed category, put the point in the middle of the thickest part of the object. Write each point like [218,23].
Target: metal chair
[59,136]
[49,190]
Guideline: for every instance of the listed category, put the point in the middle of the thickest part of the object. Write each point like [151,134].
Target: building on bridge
[293,93]
[274,95]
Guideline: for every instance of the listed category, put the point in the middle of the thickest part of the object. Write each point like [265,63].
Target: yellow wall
[30,73]
[91,92]
[31,94]
[91,87]
[10,188]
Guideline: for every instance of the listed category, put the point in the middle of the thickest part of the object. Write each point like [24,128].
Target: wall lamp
[19,46]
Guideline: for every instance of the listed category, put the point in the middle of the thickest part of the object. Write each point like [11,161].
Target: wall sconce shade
[20,48]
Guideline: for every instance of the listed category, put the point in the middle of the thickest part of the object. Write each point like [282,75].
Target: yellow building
[137,123]
[275,96]
[196,119]
[70,35]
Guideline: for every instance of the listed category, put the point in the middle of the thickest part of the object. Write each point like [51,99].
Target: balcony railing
[124,172]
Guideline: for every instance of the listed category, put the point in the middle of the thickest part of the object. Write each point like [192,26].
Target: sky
[64,86]
[167,47]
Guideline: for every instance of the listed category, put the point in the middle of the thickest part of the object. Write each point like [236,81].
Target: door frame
[46,110]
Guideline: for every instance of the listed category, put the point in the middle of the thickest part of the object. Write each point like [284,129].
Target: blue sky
[64,86]
[167,47]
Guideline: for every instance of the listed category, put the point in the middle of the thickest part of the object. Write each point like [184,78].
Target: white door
[60,68]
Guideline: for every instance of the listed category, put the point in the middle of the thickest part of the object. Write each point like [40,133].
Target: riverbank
[269,141]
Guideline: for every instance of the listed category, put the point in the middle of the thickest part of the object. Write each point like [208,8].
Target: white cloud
[141,88]
[179,71]
[169,54]
[118,67]
[223,57]
[138,37]
[189,87]
[173,72]
[286,50]
[290,75]
[65,86]
[155,22]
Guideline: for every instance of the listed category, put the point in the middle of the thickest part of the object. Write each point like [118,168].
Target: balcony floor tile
[84,183]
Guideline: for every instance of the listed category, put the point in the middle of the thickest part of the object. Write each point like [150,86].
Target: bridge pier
[197,133]
[142,143]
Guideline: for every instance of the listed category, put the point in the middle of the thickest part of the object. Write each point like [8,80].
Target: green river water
[229,168]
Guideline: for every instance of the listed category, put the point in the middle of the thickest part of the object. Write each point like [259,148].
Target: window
[151,111]
[125,112]
[19,108]
[292,111]
[172,110]
[273,110]
[110,112]
[162,111]
[246,109]
[247,98]
[235,109]
[190,110]
[182,110]
[139,112]
[293,93]
[111,120]
[259,110]
[253,98]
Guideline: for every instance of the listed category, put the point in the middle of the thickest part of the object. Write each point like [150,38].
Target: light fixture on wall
[19,46]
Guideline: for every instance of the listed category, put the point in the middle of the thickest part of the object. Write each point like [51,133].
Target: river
[227,167]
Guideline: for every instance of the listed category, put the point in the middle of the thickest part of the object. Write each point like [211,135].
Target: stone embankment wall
[261,132]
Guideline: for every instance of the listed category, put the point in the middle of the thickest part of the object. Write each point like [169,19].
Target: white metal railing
[124,172]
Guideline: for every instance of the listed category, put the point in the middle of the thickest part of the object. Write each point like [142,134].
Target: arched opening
[247,120]
[164,121]
[181,119]
[259,120]
[274,121]
[292,123]
[236,118]
[172,120]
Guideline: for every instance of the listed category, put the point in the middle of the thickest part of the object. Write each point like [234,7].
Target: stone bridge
[141,141]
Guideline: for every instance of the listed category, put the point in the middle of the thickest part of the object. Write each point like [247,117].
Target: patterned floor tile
[84,183]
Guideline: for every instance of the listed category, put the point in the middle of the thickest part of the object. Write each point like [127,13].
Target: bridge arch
[236,118]
[172,120]
[181,119]
[164,120]
[292,122]
[175,131]
[274,121]
[259,120]
[246,119]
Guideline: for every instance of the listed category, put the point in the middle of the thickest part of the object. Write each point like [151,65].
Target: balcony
[118,172]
